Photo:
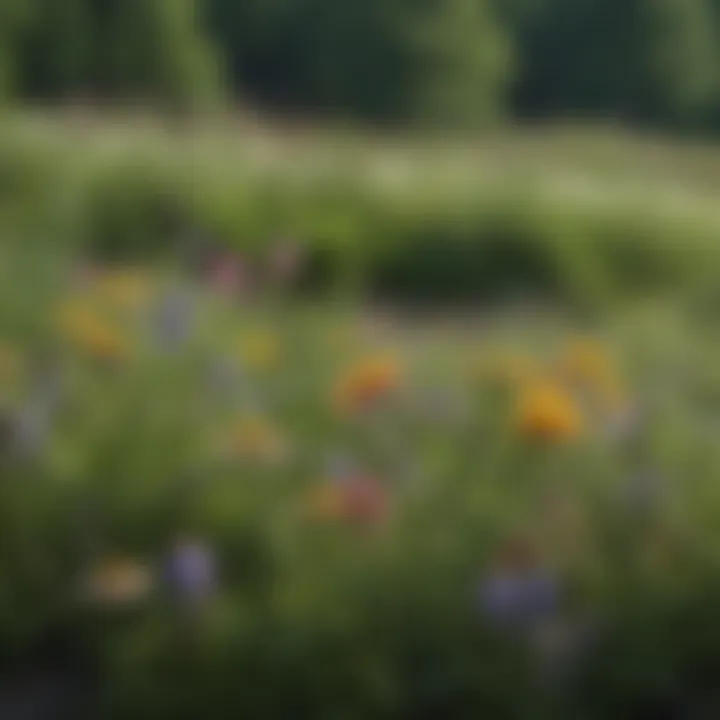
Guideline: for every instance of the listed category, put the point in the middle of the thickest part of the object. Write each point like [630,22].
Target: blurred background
[358,359]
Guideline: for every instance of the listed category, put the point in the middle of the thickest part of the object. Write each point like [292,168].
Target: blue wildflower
[175,317]
[192,571]
[518,598]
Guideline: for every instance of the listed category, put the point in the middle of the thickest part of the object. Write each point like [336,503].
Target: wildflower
[547,411]
[518,592]
[91,333]
[260,351]
[119,581]
[192,572]
[357,499]
[175,317]
[228,275]
[510,597]
[363,385]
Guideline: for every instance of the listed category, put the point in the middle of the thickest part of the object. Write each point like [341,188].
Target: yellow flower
[363,384]
[547,411]
[119,581]
[88,331]
[260,351]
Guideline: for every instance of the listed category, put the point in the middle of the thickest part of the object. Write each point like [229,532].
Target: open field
[402,521]
[234,493]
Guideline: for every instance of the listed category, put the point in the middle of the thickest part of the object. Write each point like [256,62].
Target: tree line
[455,62]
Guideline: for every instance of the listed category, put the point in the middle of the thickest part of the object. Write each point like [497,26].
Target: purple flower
[192,571]
[175,317]
[518,598]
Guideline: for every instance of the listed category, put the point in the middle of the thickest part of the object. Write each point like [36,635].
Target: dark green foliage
[132,212]
[121,51]
[634,59]
[390,61]
[439,62]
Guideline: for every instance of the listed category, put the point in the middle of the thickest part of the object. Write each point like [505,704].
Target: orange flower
[546,411]
[366,383]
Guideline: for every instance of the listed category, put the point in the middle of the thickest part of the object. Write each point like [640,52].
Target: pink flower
[229,276]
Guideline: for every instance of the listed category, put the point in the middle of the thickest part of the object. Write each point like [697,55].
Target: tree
[637,59]
[151,50]
[154,49]
[56,51]
[13,17]
[378,59]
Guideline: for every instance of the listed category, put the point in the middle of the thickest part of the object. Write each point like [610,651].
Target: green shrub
[135,210]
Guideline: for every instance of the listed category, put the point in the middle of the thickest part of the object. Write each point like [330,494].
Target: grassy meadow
[242,481]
